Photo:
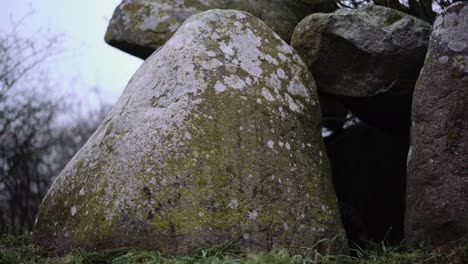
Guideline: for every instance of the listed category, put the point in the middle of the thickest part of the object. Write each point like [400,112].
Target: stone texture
[437,200]
[215,140]
[369,172]
[368,58]
[139,27]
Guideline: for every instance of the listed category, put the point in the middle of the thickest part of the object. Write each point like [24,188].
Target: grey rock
[139,27]
[368,58]
[437,180]
[215,139]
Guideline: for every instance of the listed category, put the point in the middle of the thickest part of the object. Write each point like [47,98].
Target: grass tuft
[21,249]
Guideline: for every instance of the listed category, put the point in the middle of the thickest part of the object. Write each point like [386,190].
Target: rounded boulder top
[216,139]
[139,27]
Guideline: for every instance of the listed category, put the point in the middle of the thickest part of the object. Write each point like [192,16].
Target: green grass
[22,250]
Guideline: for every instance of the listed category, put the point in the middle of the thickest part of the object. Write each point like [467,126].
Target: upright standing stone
[139,27]
[437,180]
[215,140]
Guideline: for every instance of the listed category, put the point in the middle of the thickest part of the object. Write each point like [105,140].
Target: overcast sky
[86,60]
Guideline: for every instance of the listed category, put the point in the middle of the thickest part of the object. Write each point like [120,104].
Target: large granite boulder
[368,58]
[139,27]
[215,140]
[437,194]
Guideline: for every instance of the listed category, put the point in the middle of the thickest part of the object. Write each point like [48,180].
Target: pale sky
[86,60]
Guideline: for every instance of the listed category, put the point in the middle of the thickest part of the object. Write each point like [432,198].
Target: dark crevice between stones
[139,51]
[369,175]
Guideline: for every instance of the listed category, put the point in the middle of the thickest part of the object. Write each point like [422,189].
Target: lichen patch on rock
[188,156]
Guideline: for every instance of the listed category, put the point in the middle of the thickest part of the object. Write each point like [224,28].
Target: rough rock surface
[215,140]
[369,172]
[369,58]
[437,200]
[139,27]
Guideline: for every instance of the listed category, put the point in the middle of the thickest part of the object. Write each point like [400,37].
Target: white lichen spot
[285,226]
[443,59]
[287,146]
[240,15]
[457,46]
[211,53]
[226,49]
[292,104]
[211,64]
[235,82]
[281,144]
[253,215]
[73,210]
[296,88]
[271,60]
[282,113]
[259,101]
[267,95]
[201,214]
[270,144]
[219,87]
[82,192]
[281,73]
[282,57]
[246,236]
[233,204]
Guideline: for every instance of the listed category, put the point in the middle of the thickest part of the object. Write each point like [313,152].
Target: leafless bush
[34,145]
